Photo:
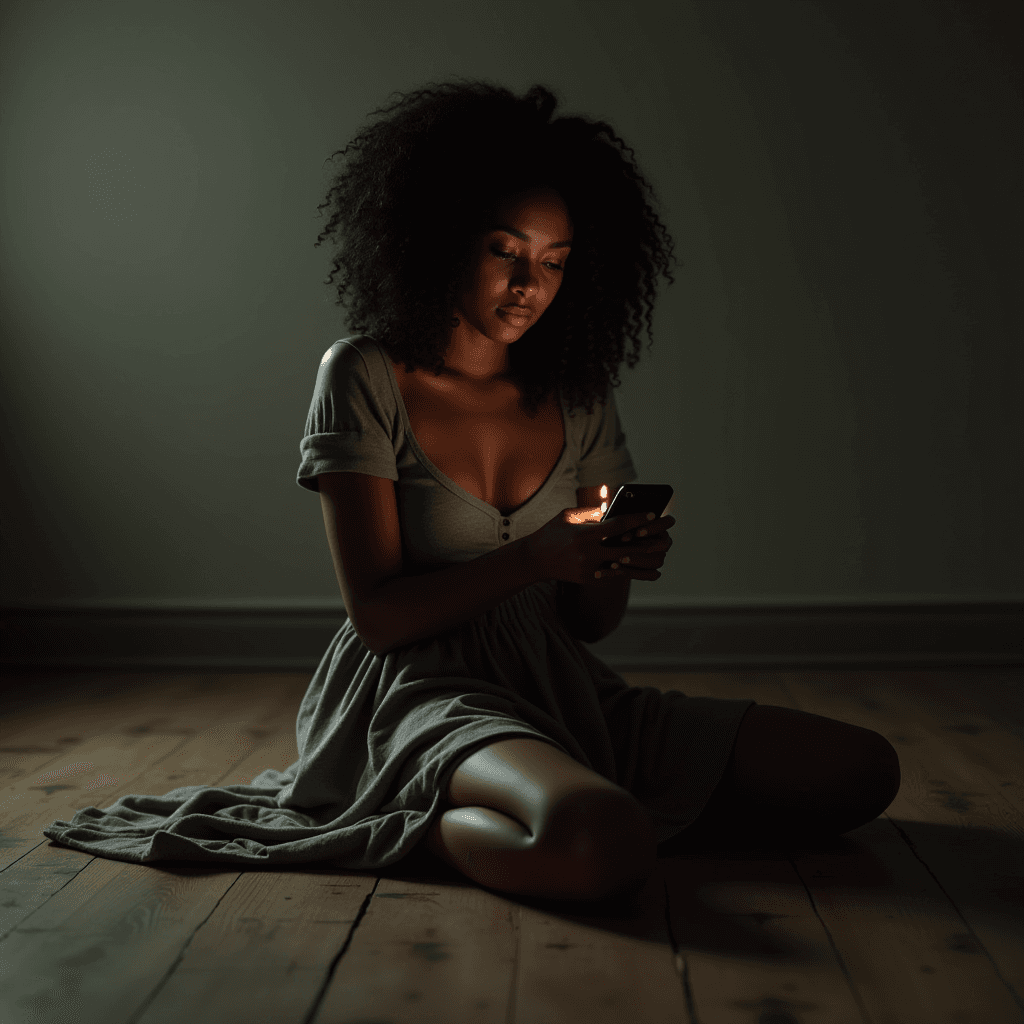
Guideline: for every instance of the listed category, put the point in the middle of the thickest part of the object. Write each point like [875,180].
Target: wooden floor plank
[27,884]
[265,951]
[957,821]
[225,753]
[928,699]
[83,703]
[179,704]
[889,920]
[96,949]
[242,739]
[599,967]
[751,946]
[427,952]
[83,708]
[997,693]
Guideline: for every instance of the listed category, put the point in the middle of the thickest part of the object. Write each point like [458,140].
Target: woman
[494,260]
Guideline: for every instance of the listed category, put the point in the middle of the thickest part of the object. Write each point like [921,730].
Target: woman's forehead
[547,205]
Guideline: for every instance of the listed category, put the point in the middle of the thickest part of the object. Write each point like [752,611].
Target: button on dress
[379,736]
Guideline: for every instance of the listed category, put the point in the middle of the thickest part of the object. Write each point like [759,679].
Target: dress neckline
[447,480]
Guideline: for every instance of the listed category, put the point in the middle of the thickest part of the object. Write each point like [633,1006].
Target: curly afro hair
[415,193]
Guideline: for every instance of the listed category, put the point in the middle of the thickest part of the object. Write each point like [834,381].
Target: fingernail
[625,558]
[650,515]
[615,565]
[625,536]
[641,532]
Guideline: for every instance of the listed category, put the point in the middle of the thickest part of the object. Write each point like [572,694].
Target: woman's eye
[512,256]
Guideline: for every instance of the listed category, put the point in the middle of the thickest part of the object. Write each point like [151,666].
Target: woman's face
[520,260]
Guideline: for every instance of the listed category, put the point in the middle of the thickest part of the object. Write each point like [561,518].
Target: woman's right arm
[387,608]
[411,608]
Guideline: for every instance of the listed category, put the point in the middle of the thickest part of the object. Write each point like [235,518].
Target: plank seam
[7,867]
[981,945]
[861,1006]
[158,988]
[329,975]
[515,917]
[681,964]
[34,910]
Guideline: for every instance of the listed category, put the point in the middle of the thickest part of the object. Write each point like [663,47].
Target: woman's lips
[515,313]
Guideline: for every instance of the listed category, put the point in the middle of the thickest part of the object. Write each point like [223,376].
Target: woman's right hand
[569,546]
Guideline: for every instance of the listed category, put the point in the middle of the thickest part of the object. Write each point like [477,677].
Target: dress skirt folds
[380,736]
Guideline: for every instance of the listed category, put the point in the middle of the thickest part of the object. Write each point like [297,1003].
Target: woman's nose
[523,276]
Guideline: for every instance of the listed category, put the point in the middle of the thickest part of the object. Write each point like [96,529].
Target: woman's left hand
[647,545]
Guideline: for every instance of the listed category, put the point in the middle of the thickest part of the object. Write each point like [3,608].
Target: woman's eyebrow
[567,244]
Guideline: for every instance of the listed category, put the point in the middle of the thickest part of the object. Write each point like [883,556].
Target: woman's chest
[483,440]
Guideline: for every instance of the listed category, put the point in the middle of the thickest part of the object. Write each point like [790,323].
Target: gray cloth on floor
[379,736]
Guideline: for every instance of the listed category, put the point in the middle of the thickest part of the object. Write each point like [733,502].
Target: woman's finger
[642,562]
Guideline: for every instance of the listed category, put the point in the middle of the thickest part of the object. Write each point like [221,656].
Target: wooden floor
[916,918]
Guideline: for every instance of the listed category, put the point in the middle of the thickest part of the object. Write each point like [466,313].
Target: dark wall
[834,386]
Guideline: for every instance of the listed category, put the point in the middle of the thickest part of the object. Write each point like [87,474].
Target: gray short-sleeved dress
[379,736]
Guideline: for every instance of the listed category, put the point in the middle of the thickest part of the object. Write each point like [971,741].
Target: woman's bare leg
[793,775]
[582,838]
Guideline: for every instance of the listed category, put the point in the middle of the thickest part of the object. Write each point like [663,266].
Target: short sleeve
[604,457]
[347,428]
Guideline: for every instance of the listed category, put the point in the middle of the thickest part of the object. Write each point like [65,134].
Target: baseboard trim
[283,639]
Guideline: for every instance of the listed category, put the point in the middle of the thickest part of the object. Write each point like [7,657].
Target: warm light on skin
[520,259]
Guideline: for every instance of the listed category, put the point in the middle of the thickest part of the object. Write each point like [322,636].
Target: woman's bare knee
[793,772]
[605,837]
[590,839]
[521,777]
[793,758]
[478,839]
[498,852]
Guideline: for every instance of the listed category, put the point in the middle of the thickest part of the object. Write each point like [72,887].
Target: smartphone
[632,498]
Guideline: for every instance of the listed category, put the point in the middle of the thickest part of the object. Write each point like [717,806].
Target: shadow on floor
[980,870]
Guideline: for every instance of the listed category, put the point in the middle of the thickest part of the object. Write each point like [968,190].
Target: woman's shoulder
[358,356]
[355,362]
[353,348]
